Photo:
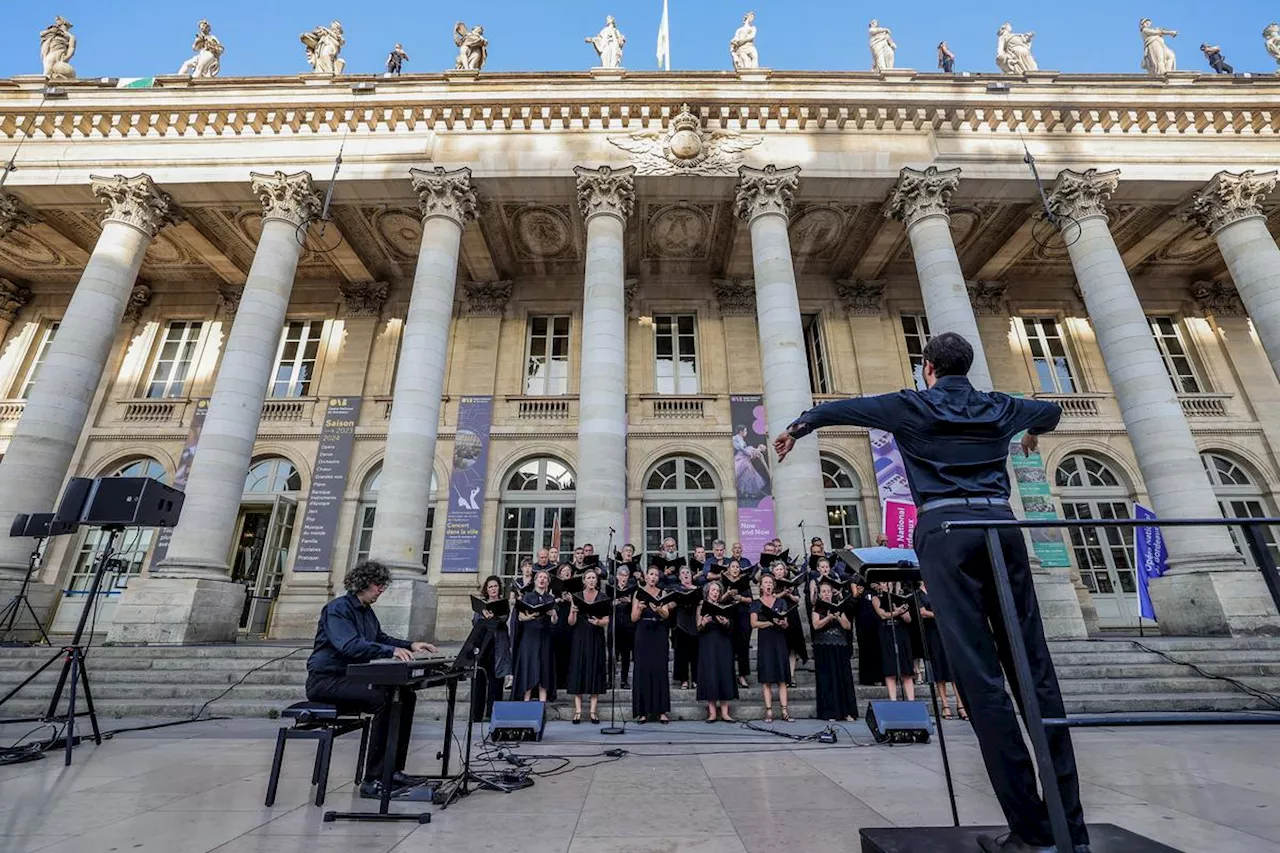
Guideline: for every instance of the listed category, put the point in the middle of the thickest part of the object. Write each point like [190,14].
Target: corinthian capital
[987,297]
[861,298]
[1219,298]
[767,190]
[446,193]
[1229,198]
[606,191]
[921,194]
[487,298]
[136,202]
[735,296]
[12,298]
[364,298]
[1079,195]
[12,215]
[291,198]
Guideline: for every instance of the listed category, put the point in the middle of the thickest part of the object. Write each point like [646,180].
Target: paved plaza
[709,789]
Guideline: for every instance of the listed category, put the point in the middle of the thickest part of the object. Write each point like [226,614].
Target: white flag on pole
[664,40]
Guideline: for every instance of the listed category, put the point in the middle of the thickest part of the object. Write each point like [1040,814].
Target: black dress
[716,681]
[773,663]
[795,631]
[624,631]
[561,639]
[651,689]
[895,645]
[835,692]
[937,663]
[867,628]
[587,663]
[535,661]
[742,638]
[684,637]
[494,665]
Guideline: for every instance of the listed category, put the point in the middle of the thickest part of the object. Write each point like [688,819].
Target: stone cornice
[1230,198]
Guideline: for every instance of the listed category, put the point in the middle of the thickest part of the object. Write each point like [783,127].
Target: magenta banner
[751,475]
[467,486]
[899,523]
[894,489]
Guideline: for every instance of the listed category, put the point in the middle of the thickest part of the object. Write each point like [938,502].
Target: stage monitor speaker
[132,502]
[517,721]
[899,722]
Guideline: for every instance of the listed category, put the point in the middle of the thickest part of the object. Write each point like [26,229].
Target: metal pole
[1266,563]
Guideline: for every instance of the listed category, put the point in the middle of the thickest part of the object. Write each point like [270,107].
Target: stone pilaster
[1207,590]
[607,199]
[363,298]
[764,201]
[447,202]
[190,597]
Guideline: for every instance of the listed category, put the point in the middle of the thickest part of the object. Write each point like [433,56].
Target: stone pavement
[684,787]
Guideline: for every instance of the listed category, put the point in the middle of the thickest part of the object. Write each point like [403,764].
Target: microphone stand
[613,728]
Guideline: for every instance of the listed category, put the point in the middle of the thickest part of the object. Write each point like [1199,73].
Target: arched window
[537,506]
[843,494]
[368,510]
[1239,497]
[681,501]
[273,475]
[1091,488]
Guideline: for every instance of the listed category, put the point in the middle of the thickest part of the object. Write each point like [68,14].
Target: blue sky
[134,38]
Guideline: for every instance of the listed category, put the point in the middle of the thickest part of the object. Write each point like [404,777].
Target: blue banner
[467,486]
[1150,557]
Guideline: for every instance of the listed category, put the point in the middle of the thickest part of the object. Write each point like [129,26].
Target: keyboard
[417,673]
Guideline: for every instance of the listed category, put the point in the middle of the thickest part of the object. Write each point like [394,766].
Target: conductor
[954,441]
[348,632]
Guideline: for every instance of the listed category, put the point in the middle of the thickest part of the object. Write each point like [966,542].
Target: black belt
[944,503]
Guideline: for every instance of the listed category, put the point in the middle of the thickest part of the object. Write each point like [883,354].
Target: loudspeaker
[515,721]
[899,722]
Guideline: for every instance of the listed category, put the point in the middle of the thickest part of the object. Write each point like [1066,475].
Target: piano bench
[322,723]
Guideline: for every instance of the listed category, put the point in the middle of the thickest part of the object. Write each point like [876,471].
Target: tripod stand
[74,669]
[13,610]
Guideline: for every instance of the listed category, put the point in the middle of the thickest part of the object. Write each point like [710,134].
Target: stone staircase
[174,682]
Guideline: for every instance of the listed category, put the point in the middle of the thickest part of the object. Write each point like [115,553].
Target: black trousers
[957,568]
[351,695]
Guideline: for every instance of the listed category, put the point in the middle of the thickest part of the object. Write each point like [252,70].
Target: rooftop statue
[1157,57]
[882,47]
[1013,51]
[323,45]
[208,59]
[57,46]
[608,43]
[1271,35]
[743,46]
[473,47]
[396,59]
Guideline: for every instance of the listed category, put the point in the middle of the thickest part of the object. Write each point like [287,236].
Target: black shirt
[954,439]
[348,632]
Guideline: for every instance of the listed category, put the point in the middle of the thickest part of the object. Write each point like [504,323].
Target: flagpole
[664,40]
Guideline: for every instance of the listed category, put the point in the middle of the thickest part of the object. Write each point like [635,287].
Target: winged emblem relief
[685,148]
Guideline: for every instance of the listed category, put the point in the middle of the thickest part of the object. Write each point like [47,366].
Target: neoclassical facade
[527,307]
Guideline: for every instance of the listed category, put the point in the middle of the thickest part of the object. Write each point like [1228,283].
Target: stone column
[764,201]
[190,597]
[448,202]
[1229,208]
[42,447]
[922,201]
[606,196]
[1207,590]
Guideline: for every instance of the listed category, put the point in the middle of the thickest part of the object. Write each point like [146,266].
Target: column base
[164,610]
[298,607]
[453,607]
[1214,604]
[407,608]
[1059,605]
[43,598]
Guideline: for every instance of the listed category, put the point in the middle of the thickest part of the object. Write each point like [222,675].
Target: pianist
[348,632]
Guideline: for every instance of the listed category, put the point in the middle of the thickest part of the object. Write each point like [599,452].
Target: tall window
[368,512]
[819,376]
[681,501]
[1239,497]
[915,332]
[1090,488]
[296,358]
[537,506]
[546,370]
[843,493]
[272,476]
[676,348]
[37,360]
[1173,350]
[1049,355]
[173,361]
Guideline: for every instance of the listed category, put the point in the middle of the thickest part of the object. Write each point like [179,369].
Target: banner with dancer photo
[894,490]
[751,475]
[467,486]
[180,475]
[1031,489]
[328,484]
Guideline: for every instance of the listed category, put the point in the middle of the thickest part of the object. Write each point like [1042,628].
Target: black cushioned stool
[321,722]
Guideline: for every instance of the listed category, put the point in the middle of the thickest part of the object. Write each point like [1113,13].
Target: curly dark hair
[365,574]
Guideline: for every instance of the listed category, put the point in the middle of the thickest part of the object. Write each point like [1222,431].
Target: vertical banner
[894,490]
[328,483]
[467,485]
[899,523]
[1150,556]
[1031,488]
[751,476]
[181,474]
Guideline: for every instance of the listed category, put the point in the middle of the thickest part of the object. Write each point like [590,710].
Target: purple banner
[1151,557]
[891,474]
[328,483]
[751,475]
[467,485]
[180,475]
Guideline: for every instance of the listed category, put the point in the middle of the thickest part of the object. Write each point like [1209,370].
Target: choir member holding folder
[589,618]
[624,630]
[938,664]
[895,646]
[490,611]
[831,623]
[650,690]
[563,586]
[786,590]
[535,660]
[715,622]
[684,636]
[769,618]
[737,591]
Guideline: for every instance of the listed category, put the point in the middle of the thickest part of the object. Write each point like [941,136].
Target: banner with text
[899,523]
[467,485]
[328,483]
[894,490]
[1031,488]
[180,475]
[1151,557]
[752,478]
